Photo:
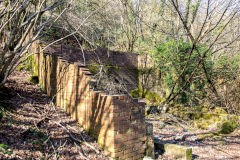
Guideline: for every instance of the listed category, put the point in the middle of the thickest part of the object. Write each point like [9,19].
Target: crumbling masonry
[116,121]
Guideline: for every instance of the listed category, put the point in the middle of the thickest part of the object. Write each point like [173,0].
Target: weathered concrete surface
[174,151]
[178,152]
[149,142]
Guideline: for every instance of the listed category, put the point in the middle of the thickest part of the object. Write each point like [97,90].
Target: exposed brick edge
[116,121]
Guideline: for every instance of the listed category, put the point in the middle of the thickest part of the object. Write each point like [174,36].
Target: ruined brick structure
[116,121]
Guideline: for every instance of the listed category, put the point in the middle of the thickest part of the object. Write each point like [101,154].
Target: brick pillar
[65,85]
[73,98]
[82,93]
[59,77]
[118,124]
[51,75]
[40,70]
[129,127]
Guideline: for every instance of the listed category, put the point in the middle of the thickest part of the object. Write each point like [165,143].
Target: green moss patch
[94,69]
[29,65]
[195,116]
[21,67]
[225,123]
[208,115]
[34,79]
[228,127]
[152,97]
[136,93]
[219,110]
[92,133]
[209,135]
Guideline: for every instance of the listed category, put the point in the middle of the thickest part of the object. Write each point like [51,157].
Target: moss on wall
[153,97]
[29,65]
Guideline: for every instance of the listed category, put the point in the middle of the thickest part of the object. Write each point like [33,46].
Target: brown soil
[226,147]
[21,131]
[30,130]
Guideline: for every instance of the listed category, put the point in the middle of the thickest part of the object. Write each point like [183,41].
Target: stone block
[175,151]
[149,142]
[149,129]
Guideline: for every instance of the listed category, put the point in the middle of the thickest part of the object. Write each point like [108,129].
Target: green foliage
[205,110]
[154,98]
[92,133]
[207,116]
[228,66]
[172,58]
[29,65]
[93,68]
[4,149]
[144,47]
[136,93]
[228,127]
[194,116]
[34,79]
[228,62]
[20,68]
[219,110]
[52,34]
[198,108]
[41,137]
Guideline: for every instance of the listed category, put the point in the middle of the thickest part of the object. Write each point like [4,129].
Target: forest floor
[224,147]
[35,129]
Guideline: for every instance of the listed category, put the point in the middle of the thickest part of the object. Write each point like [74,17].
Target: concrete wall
[116,121]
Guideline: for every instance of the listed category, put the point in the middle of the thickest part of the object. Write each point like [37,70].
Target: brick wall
[116,121]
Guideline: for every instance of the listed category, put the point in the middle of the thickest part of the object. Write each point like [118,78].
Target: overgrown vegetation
[34,79]
[195,62]
[21,24]
[193,47]
[5,150]
[29,65]
[176,67]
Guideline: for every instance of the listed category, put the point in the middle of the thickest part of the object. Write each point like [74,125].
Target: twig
[72,138]
[70,134]
[81,154]
[38,124]
[54,149]
[85,142]
[30,103]
[58,150]
[76,140]
[177,121]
